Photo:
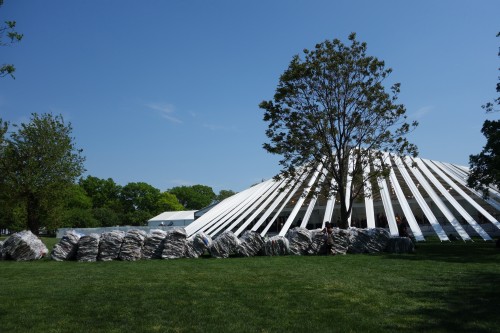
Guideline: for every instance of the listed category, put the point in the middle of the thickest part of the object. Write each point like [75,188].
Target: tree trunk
[33,216]
[344,217]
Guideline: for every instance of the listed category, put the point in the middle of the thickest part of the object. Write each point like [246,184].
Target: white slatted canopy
[431,197]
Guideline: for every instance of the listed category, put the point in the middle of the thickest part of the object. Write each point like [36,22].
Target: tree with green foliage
[224,194]
[485,166]
[140,202]
[8,33]
[332,104]
[102,192]
[194,197]
[168,202]
[38,163]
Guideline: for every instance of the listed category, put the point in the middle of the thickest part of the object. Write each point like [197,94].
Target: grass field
[449,287]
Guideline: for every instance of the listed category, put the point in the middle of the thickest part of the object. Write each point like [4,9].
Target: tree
[332,105]
[224,194]
[168,202]
[485,166]
[38,163]
[103,192]
[194,197]
[8,32]
[139,202]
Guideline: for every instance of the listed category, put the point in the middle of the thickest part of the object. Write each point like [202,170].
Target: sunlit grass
[443,287]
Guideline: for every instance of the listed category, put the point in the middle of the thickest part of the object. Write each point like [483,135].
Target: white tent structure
[432,197]
[173,219]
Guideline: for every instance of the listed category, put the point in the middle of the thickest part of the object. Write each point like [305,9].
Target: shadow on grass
[455,252]
[466,305]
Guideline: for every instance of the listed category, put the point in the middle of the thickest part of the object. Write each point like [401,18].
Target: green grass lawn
[449,287]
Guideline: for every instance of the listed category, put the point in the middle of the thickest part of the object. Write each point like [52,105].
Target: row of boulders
[174,243]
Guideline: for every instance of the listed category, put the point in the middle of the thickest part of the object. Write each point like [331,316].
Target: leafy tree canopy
[485,166]
[140,196]
[39,162]
[8,36]
[194,197]
[103,192]
[224,194]
[332,104]
[168,202]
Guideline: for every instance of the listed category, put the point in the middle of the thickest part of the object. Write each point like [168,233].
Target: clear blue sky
[167,92]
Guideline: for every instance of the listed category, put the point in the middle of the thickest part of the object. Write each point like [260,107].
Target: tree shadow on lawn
[456,252]
[467,301]
[468,304]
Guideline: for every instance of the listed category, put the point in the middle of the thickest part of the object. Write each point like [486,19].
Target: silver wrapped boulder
[225,245]
[276,246]
[132,244]
[174,246]
[197,245]
[23,246]
[299,240]
[251,242]
[153,244]
[67,247]
[88,248]
[110,245]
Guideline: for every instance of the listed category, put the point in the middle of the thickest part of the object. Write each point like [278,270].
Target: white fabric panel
[280,193]
[270,194]
[220,209]
[420,200]
[230,211]
[348,189]
[386,201]
[291,191]
[446,168]
[455,203]
[417,233]
[255,202]
[463,175]
[370,213]
[214,230]
[330,206]
[312,203]
[300,201]
[435,198]
[389,211]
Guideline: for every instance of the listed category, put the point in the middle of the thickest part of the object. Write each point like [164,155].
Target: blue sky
[167,92]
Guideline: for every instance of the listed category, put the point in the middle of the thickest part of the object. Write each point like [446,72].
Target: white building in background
[172,219]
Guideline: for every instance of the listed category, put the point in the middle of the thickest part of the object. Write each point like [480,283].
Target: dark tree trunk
[32,212]
[344,216]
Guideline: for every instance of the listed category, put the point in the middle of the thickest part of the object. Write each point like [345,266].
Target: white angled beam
[455,203]
[370,213]
[420,200]
[452,219]
[386,201]
[216,212]
[493,203]
[405,206]
[271,194]
[289,197]
[248,208]
[239,209]
[300,201]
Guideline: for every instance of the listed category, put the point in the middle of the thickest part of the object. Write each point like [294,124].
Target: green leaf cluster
[8,36]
